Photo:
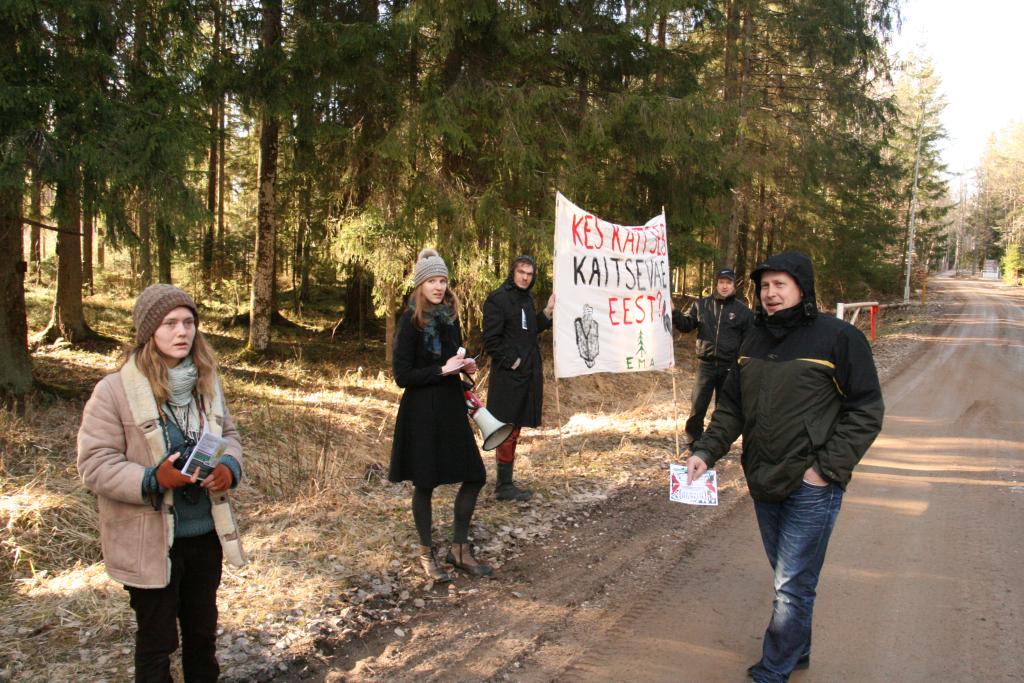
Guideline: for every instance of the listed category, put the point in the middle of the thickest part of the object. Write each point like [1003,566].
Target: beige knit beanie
[155,302]
[429,264]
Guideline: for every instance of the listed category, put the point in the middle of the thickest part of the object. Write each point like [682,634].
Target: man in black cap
[721,320]
[805,395]
[516,392]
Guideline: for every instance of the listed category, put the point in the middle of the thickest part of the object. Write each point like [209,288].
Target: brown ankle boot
[431,565]
[461,555]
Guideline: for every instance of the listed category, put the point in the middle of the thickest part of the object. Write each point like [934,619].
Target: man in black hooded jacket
[805,395]
[516,391]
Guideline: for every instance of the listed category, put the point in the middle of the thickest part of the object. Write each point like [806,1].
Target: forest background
[285,161]
[259,150]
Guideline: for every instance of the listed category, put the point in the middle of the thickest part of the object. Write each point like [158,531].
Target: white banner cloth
[613,310]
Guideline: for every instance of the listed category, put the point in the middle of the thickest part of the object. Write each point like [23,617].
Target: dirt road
[924,579]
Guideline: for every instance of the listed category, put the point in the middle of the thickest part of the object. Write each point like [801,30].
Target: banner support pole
[672,372]
[558,408]
[675,413]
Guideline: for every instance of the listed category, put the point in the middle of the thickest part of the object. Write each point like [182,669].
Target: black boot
[505,488]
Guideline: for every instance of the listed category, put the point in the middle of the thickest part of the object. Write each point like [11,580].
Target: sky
[976,48]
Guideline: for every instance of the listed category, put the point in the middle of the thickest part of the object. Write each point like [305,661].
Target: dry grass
[318,515]
[46,519]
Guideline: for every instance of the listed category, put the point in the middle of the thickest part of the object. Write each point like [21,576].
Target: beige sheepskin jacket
[119,438]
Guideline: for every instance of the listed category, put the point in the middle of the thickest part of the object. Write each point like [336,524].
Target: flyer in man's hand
[205,456]
[702,491]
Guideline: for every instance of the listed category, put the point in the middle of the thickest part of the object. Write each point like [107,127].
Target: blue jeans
[795,534]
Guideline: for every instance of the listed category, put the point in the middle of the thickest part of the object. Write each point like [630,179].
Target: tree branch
[29,221]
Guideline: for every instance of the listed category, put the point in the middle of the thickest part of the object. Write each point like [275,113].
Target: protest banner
[613,311]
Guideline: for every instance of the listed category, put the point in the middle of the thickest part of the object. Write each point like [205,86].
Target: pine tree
[916,141]
[996,218]
[76,41]
[22,67]
[161,133]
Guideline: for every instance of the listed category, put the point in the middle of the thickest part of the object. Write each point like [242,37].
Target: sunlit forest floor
[324,530]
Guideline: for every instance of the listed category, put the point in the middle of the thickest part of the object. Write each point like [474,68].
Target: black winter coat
[804,392]
[515,395]
[434,443]
[720,326]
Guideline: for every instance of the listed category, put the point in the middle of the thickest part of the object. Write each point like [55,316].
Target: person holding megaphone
[433,442]
[516,392]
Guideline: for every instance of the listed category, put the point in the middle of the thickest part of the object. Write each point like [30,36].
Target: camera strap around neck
[146,414]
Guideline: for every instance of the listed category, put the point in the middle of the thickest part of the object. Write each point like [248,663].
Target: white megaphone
[493,430]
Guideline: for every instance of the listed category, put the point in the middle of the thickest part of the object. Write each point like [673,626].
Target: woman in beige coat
[163,533]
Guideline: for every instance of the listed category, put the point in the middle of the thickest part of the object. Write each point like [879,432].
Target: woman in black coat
[433,442]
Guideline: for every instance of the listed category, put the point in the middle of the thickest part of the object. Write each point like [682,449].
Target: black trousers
[710,378]
[189,599]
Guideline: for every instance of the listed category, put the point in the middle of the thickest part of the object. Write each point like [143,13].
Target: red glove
[220,479]
[170,478]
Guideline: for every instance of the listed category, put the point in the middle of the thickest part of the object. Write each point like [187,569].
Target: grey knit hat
[155,302]
[429,264]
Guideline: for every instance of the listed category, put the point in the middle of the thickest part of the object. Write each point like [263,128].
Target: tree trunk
[357,299]
[762,216]
[145,248]
[363,303]
[163,251]
[68,317]
[659,78]
[214,164]
[15,364]
[263,279]
[737,73]
[88,219]
[306,259]
[101,239]
[261,302]
[742,243]
[35,250]
[389,334]
[730,95]
[211,197]
[222,141]
[300,270]
[305,162]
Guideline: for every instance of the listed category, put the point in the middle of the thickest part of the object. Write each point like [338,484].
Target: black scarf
[440,316]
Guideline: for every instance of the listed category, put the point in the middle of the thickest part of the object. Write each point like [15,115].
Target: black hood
[510,281]
[799,266]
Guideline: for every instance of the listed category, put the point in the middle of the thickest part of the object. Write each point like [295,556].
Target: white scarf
[182,380]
